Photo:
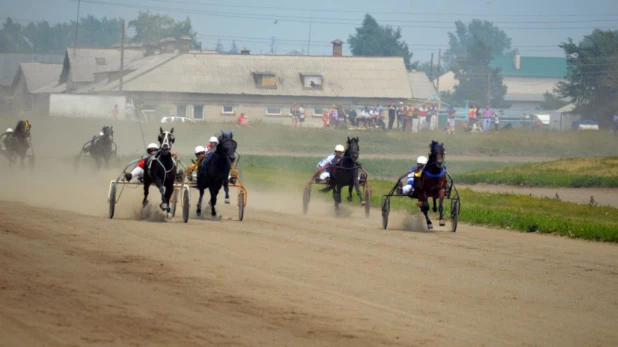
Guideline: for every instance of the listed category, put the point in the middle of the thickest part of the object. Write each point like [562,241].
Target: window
[265,80]
[198,112]
[273,111]
[227,109]
[311,81]
[181,111]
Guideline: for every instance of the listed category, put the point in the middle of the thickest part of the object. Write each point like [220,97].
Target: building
[527,78]
[28,80]
[421,87]
[215,87]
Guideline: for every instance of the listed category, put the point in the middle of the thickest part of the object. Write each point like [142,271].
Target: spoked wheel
[306,198]
[174,201]
[386,209]
[455,205]
[112,200]
[241,205]
[367,199]
[185,204]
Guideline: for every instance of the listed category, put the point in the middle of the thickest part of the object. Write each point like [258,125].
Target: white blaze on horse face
[166,144]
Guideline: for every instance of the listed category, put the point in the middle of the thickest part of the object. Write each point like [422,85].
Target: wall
[85,106]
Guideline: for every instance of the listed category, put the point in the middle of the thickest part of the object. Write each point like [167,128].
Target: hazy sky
[536,26]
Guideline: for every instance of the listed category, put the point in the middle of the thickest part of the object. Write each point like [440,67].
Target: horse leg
[163,206]
[441,208]
[425,210]
[213,200]
[199,202]
[169,190]
[350,192]
[226,188]
[337,196]
[434,205]
[358,191]
[146,188]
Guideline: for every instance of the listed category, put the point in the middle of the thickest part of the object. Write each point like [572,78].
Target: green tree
[219,46]
[552,102]
[372,39]
[592,75]
[496,40]
[12,38]
[154,27]
[426,67]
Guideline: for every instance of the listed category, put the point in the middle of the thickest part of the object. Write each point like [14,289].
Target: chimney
[337,48]
[167,45]
[244,51]
[150,48]
[184,44]
[517,61]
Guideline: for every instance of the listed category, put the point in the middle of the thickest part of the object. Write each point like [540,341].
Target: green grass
[503,210]
[573,172]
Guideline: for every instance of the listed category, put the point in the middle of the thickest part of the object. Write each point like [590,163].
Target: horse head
[353,150]
[436,153]
[166,140]
[23,128]
[227,146]
[108,132]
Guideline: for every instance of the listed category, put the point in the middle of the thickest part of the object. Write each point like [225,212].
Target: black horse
[161,170]
[102,146]
[344,173]
[432,183]
[214,170]
[17,143]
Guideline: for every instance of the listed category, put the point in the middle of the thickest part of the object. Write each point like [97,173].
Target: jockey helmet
[153,146]
[422,160]
[101,133]
[214,139]
[199,149]
[9,130]
[339,148]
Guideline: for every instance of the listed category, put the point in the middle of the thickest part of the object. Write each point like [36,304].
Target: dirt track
[72,277]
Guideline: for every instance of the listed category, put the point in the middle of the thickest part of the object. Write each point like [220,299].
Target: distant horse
[101,147]
[432,183]
[345,173]
[17,143]
[161,170]
[214,170]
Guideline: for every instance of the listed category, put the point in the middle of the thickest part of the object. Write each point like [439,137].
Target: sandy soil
[70,276]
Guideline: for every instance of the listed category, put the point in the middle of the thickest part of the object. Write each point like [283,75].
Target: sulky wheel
[241,205]
[112,200]
[386,209]
[306,198]
[367,199]
[174,201]
[455,205]
[185,204]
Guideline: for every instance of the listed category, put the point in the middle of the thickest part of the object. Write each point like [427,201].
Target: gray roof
[52,88]
[421,86]
[38,75]
[84,62]
[9,62]
[362,77]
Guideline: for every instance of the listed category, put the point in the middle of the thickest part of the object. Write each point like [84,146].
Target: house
[31,77]
[527,78]
[421,87]
[217,87]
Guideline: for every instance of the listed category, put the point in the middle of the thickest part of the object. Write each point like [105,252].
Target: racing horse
[214,170]
[161,170]
[101,146]
[432,183]
[344,173]
[18,142]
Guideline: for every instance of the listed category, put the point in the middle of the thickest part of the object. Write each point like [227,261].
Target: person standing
[391,115]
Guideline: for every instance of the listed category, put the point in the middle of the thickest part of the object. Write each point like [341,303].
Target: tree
[154,27]
[372,39]
[496,40]
[592,75]
[219,47]
[12,39]
[233,48]
[552,102]
[426,67]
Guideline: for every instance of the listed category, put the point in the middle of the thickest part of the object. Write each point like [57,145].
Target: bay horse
[101,146]
[17,143]
[344,173]
[214,170]
[432,183]
[161,170]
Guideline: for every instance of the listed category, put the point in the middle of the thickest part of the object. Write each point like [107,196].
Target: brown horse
[432,183]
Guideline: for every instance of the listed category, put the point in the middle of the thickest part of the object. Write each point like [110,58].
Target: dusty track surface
[69,276]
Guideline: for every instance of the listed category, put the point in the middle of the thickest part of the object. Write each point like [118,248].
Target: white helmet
[199,149]
[214,139]
[9,130]
[422,160]
[101,133]
[153,146]
[339,148]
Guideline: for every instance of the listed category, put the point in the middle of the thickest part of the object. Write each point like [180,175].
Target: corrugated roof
[38,75]
[371,77]
[52,88]
[9,62]
[84,62]
[540,67]
[421,86]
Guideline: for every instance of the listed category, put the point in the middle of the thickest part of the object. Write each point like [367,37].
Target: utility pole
[122,55]
[76,28]
[438,72]
[309,43]
[488,89]
[272,45]
[431,69]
